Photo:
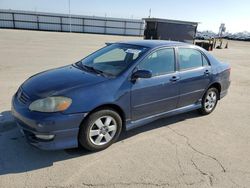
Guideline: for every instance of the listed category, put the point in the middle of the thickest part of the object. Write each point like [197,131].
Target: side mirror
[141,74]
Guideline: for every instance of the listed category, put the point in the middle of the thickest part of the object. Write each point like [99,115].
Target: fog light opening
[44,137]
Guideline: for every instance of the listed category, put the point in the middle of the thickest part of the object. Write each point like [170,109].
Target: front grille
[22,96]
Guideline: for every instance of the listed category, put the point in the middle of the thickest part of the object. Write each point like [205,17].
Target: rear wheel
[101,129]
[209,101]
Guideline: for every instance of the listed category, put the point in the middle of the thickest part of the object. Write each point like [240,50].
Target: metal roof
[170,21]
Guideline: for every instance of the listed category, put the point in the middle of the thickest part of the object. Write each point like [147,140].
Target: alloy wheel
[102,130]
[210,101]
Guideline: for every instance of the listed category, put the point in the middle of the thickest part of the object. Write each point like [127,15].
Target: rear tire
[100,130]
[209,101]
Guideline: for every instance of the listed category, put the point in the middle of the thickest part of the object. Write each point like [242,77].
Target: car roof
[154,43]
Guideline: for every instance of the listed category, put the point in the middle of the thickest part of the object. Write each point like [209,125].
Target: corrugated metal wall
[61,22]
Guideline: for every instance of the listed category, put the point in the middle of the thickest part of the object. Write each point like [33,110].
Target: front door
[151,96]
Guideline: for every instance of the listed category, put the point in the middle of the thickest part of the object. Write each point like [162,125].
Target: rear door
[195,75]
[159,93]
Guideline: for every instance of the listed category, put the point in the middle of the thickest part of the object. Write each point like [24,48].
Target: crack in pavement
[210,176]
[206,155]
[128,184]
[193,163]
[177,156]
[116,184]
[178,160]
[197,151]
[166,184]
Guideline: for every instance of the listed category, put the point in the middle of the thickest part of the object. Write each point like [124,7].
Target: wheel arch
[216,85]
[111,106]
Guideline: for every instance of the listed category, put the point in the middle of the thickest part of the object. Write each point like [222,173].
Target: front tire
[209,101]
[100,130]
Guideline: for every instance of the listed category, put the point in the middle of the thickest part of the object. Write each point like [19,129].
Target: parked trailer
[164,29]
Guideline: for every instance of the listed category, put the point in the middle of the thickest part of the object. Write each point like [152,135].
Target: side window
[205,61]
[189,58]
[159,62]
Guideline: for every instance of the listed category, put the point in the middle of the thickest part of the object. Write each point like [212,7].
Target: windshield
[112,59]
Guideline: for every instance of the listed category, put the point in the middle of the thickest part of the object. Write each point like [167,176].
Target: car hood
[58,81]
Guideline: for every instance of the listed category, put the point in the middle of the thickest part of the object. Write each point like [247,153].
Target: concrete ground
[187,150]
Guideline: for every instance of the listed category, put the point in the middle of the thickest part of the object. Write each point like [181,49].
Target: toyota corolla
[119,87]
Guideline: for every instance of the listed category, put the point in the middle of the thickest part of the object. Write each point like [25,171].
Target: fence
[75,23]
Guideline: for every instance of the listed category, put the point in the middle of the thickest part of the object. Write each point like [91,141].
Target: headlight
[51,104]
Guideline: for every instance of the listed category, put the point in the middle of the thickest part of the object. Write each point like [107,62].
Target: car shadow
[162,122]
[17,156]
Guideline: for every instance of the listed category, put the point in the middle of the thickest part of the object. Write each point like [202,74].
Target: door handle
[174,78]
[207,72]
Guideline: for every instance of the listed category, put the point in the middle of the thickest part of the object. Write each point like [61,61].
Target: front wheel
[101,129]
[209,101]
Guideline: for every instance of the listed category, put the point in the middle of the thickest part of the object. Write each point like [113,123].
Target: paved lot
[182,151]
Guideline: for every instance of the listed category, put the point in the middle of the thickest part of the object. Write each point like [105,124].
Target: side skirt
[137,123]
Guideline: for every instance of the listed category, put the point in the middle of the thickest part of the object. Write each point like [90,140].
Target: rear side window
[189,58]
[159,62]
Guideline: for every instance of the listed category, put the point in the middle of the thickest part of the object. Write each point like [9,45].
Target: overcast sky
[211,13]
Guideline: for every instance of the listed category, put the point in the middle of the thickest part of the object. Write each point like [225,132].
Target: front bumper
[64,127]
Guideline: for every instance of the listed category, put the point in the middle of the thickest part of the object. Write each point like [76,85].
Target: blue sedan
[119,87]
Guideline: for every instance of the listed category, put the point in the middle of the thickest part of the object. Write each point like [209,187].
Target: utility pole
[69,18]
[149,13]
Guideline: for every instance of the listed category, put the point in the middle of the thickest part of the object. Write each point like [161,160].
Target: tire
[211,95]
[100,130]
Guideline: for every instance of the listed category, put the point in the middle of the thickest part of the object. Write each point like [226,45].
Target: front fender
[86,99]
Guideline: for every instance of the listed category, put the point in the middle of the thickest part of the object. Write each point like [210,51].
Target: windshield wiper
[92,69]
